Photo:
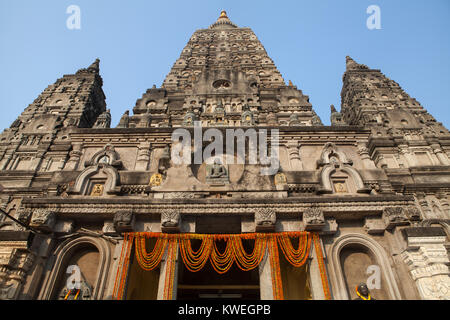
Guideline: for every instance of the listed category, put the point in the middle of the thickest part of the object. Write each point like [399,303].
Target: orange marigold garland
[222,262]
[195,260]
[246,261]
[149,261]
[322,269]
[170,268]
[277,286]
[295,257]
[122,269]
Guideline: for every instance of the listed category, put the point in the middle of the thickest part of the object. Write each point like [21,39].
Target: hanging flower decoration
[221,261]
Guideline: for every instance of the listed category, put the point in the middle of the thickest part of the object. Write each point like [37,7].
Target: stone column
[404,150]
[427,259]
[294,155]
[265,278]
[364,154]
[36,160]
[443,159]
[74,159]
[143,157]
[317,290]
[163,273]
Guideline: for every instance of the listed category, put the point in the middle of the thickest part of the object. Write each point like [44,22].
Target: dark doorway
[208,284]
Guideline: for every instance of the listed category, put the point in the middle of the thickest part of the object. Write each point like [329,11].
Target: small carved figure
[216,172]
[156,180]
[280,178]
[97,190]
[363,293]
[124,221]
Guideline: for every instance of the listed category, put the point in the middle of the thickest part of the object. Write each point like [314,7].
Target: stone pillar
[443,159]
[163,273]
[404,150]
[265,278]
[364,154]
[317,290]
[428,261]
[143,157]
[5,161]
[74,159]
[444,203]
[36,161]
[294,155]
[15,262]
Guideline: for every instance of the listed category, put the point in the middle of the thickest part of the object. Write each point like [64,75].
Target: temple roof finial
[223,14]
[223,22]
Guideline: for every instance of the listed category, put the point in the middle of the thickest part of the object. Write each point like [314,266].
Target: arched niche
[337,174]
[91,255]
[342,179]
[351,255]
[101,174]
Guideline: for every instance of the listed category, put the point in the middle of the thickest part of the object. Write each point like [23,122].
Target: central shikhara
[94,212]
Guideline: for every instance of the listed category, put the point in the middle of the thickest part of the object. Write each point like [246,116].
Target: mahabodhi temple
[91,212]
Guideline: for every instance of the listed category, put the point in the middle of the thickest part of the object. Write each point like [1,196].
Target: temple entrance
[142,285]
[208,284]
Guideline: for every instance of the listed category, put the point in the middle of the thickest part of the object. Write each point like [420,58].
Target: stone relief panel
[313,219]
[170,220]
[265,219]
[124,221]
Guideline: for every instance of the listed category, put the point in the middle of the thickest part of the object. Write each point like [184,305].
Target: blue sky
[138,42]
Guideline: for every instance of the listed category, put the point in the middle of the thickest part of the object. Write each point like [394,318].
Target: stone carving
[247,117]
[374,225]
[313,219]
[63,227]
[103,120]
[124,221]
[125,120]
[413,213]
[265,219]
[170,220]
[330,228]
[97,190]
[427,259]
[43,219]
[156,180]
[280,179]
[394,216]
[189,119]
[216,173]
[336,117]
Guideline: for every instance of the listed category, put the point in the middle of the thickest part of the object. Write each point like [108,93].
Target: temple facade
[90,212]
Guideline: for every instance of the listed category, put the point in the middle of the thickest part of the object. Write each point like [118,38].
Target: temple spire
[95,66]
[353,65]
[223,22]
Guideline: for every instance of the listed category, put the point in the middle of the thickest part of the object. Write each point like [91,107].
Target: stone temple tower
[114,211]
